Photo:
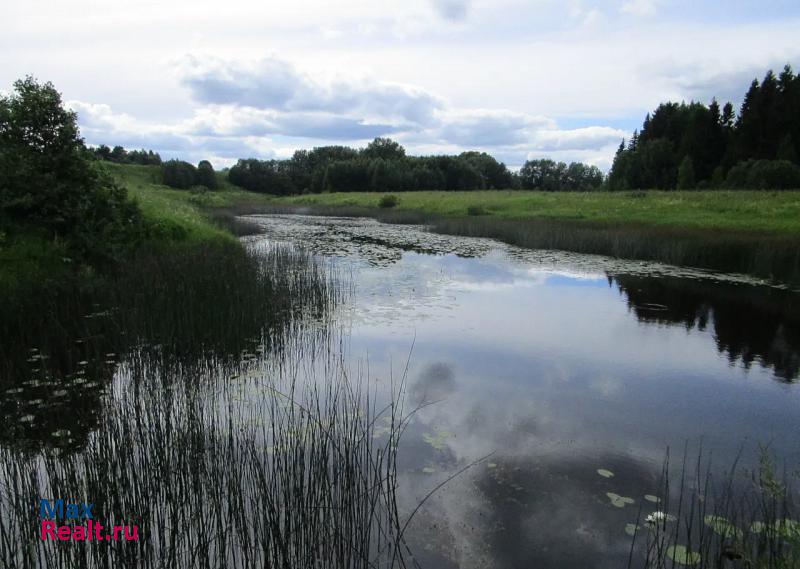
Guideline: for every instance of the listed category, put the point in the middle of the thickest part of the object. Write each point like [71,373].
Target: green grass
[29,256]
[752,211]
[179,218]
[181,213]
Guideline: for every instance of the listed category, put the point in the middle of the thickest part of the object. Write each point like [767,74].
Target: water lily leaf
[723,527]
[682,556]
[492,465]
[428,470]
[619,501]
[757,527]
[631,529]
[438,439]
[605,473]
[651,498]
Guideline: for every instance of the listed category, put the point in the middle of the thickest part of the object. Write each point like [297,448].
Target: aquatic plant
[708,523]
[269,474]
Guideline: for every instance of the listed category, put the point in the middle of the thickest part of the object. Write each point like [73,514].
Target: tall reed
[747,518]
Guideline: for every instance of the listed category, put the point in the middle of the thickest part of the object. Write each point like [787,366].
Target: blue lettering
[48,510]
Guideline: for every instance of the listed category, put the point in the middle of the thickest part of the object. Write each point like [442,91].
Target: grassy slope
[30,256]
[178,209]
[763,212]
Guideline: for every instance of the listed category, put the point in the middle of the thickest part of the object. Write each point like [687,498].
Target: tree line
[697,146]
[384,166]
[121,156]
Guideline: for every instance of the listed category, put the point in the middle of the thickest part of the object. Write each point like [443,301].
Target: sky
[566,80]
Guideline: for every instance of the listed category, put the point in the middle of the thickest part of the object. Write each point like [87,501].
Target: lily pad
[631,529]
[619,501]
[605,473]
[428,470]
[651,498]
[682,556]
[492,465]
[438,439]
[723,527]
[757,527]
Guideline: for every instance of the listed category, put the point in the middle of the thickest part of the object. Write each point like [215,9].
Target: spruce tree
[686,179]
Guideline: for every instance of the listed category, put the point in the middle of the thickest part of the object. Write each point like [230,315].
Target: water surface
[554,365]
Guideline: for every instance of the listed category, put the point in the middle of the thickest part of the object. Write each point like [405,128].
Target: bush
[476,210]
[47,180]
[388,201]
[764,175]
[178,174]
[206,175]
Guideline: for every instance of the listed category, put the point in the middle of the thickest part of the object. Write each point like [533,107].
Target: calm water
[539,367]
[556,365]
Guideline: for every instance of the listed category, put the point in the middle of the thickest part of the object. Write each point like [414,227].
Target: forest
[690,146]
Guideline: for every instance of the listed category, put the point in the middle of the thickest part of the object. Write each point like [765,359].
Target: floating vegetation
[651,498]
[491,465]
[438,439]
[429,470]
[706,527]
[619,501]
[657,517]
[722,527]
[605,473]
[682,556]
[631,529]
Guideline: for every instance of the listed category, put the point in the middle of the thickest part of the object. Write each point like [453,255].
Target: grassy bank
[176,218]
[757,212]
[757,233]
[181,215]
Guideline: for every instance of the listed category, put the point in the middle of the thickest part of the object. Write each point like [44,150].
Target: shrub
[388,201]
[476,210]
[178,174]
[764,175]
[47,180]
[206,175]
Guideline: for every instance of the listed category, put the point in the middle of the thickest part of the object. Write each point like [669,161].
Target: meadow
[752,232]
[750,211]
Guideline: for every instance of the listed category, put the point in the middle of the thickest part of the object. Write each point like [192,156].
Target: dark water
[556,365]
[562,377]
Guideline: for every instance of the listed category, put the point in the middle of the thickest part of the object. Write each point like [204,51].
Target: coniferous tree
[706,141]
[686,179]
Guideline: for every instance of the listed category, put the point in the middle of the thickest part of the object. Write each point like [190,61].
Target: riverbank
[774,213]
[756,233]
[175,219]
[750,232]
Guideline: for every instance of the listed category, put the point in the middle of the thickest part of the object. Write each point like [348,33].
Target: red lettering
[48,529]
[132,535]
[64,533]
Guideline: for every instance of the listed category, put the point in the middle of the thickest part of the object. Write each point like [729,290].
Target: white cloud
[272,83]
[588,138]
[439,75]
[640,7]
